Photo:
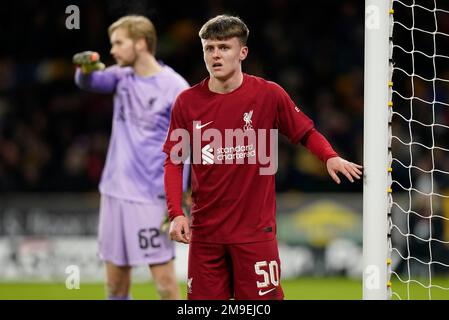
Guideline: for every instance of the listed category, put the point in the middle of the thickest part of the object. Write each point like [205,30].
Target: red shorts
[249,271]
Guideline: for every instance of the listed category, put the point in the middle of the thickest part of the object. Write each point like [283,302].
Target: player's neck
[146,66]
[226,85]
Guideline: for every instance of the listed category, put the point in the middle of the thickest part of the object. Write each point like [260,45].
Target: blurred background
[54,137]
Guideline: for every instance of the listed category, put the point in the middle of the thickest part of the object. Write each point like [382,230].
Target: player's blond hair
[137,27]
[224,27]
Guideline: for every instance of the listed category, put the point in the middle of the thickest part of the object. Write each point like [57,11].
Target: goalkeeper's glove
[88,61]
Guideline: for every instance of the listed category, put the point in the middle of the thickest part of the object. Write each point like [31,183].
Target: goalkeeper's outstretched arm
[91,74]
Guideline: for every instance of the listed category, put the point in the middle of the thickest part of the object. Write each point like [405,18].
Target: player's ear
[140,44]
[243,53]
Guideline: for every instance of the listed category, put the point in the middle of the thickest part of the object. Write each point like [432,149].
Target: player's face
[223,58]
[123,48]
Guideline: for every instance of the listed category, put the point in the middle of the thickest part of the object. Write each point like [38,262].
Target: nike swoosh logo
[262,293]
[198,126]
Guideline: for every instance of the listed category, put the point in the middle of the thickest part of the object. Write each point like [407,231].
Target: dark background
[54,137]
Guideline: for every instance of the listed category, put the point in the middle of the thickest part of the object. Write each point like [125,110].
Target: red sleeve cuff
[318,145]
[172,217]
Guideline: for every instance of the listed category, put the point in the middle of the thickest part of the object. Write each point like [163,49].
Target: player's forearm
[173,179]
[318,145]
[97,81]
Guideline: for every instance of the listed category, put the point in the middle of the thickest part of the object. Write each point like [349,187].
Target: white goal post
[406,150]
[376,154]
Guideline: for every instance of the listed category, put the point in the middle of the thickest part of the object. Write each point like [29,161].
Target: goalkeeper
[133,208]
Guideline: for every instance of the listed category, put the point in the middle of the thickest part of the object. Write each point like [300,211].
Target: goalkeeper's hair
[138,27]
[224,27]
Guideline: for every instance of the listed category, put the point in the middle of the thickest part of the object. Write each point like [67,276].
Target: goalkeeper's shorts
[130,234]
[249,271]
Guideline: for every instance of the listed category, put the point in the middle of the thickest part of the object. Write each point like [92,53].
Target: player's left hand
[349,169]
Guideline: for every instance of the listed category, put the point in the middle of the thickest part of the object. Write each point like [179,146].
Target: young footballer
[233,251]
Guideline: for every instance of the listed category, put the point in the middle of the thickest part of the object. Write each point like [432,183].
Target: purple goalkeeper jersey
[142,108]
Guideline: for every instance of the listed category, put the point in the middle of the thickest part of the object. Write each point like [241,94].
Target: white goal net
[418,217]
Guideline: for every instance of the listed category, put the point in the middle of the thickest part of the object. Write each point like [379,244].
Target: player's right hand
[179,229]
[88,61]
